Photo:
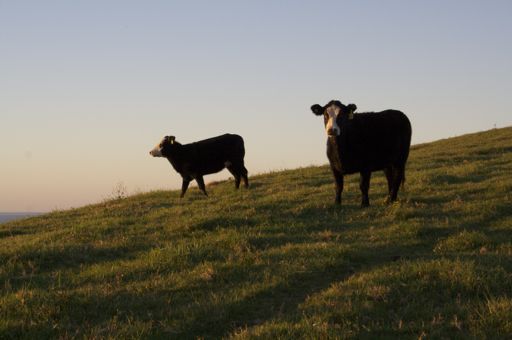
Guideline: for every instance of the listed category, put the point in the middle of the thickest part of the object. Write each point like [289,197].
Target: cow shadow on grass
[416,291]
[283,301]
[189,312]
[447,179]
[223,222]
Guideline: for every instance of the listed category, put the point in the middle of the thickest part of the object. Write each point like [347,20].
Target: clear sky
[87,88]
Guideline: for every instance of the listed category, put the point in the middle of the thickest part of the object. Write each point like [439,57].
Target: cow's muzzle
[156,152]
[332,132]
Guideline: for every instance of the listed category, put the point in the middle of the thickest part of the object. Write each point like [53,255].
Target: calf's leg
[184,186]
[239,172]
[200,183]
[236,173]
[364,185]
[244,176]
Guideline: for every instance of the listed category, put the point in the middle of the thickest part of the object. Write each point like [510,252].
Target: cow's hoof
[389,200]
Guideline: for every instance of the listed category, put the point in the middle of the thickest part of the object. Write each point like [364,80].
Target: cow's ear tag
[171,139]
[351,115]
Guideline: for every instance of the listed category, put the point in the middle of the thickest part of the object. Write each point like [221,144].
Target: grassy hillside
[278,260]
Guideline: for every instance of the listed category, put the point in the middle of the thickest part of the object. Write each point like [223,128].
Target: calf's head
[334,114]
[162,149]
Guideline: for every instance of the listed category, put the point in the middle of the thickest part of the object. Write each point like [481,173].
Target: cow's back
[378,139]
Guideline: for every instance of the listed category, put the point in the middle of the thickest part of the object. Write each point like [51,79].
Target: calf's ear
[351,108]
[317,110]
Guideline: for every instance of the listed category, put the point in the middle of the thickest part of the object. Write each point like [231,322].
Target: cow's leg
[184,186]
[364,185]
[244,176]
[236,174]
[200,183]
[389,177]
[398,176]
[338,181]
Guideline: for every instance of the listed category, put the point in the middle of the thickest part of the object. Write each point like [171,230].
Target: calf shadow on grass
[13,232]
[37,267]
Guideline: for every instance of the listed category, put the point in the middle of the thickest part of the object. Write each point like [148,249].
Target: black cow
[366,142]
[194,160]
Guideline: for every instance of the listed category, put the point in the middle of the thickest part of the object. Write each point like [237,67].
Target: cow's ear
[317,110]
[172,139]
[351,108]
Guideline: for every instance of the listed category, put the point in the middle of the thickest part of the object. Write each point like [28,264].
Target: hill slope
[278,260]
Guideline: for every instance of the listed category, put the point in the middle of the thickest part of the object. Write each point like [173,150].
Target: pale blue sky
[88,87]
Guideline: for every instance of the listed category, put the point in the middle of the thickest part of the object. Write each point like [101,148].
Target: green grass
[279,260]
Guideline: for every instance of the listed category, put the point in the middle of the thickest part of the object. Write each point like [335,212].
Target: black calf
[194,160]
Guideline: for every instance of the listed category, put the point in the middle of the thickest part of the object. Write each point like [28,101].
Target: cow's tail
[241,147]
[407,144]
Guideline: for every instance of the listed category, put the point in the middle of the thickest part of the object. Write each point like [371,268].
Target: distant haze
[88,88]
[5,217]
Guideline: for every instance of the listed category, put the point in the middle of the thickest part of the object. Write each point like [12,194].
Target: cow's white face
[334,113]
[331,114]
[157,150]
